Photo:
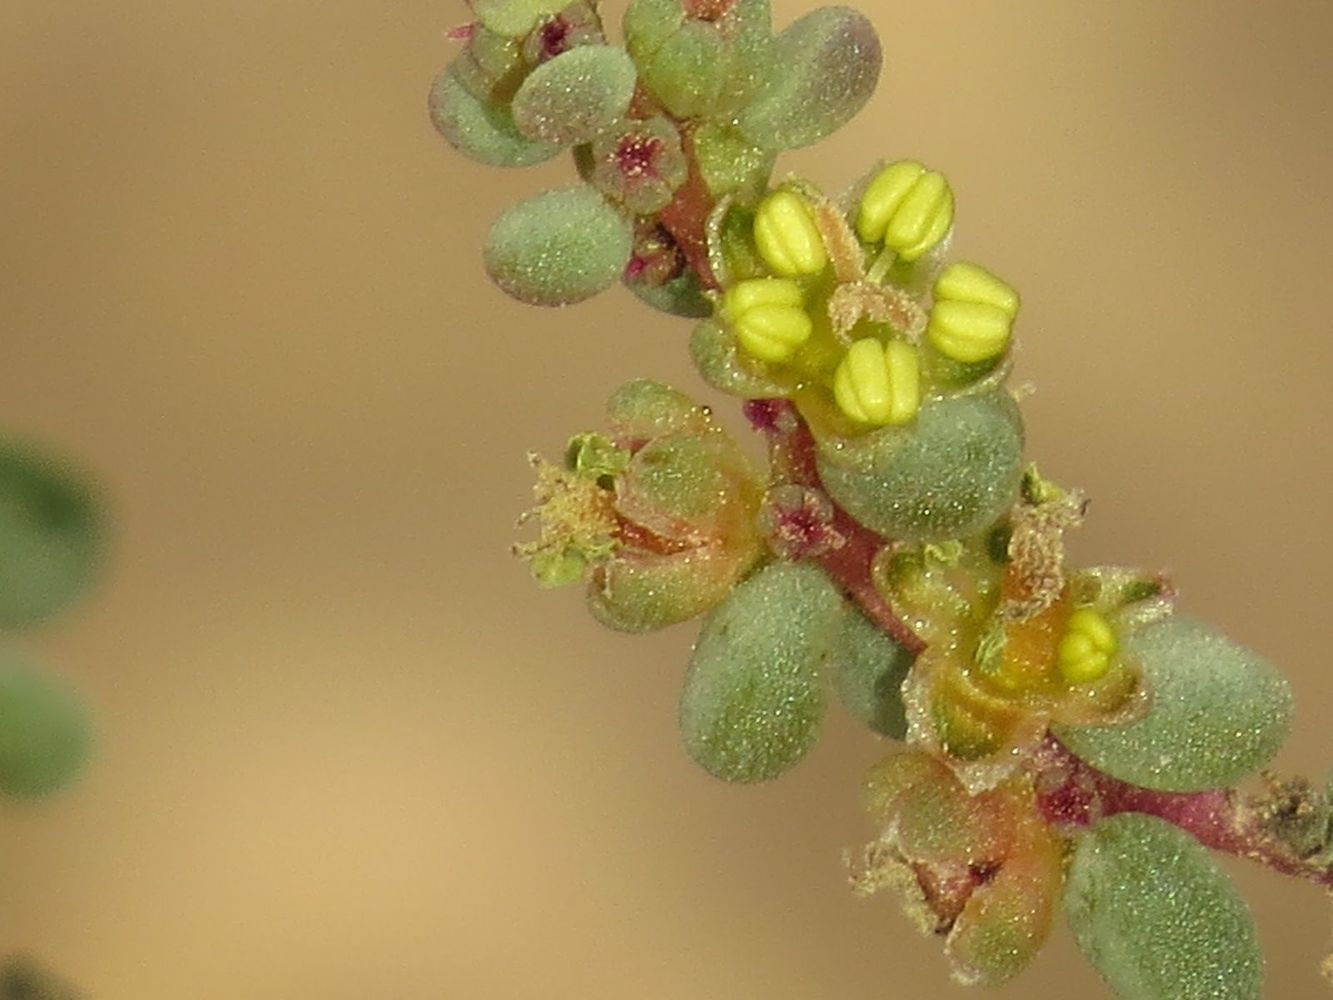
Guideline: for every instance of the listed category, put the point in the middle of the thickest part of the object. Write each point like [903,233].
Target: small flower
[657,516]
[640,164]
[983,871]
[1085,650]
[1014,645]
[575,25]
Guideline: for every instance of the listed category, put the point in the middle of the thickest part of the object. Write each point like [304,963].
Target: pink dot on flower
[636,154]
[554,34]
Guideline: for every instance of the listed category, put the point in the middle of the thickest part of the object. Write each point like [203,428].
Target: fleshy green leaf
[641,593]
[681,296]
[753,699]
[491,66]
[1157,918]
[870,669]
[481,130]
[648,24]
[1219,712]
[558,247]
[729,164]
[715,353]
[513,17]
[681,478]
[949,474]
[821,71]
[44,732]
[576,95]
[687,71]
[644,408]
[51,536]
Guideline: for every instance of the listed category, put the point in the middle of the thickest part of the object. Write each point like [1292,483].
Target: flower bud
[982,871]
[575,25]
[973,314]
[491,66]
[786,235]
[728,163]
[907,208]
[768,317]
[1085,650]
[878,383]
[721,364]
[699,60]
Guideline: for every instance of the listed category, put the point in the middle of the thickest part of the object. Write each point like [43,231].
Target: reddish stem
[792,455]
[1072,793]
[686,218]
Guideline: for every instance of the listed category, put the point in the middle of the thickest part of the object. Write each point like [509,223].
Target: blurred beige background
[346,750]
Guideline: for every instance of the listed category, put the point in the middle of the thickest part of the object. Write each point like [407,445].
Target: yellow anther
[973,314]
[908,208]
[964,282]
[1085,650]
[786,235]
[883,197]
[878,384]
[768,317]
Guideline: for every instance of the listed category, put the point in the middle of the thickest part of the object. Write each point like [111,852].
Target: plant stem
[686,218]
[792,457]
[1073,794]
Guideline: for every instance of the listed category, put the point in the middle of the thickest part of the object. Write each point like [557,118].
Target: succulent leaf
[753,698]
[558,247]
[481,130]
[1219,712]
[687,71]
[821,71]
[949,474]
[679,296]
[575,96]
[1157,918]
[870,669]
[513,17]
